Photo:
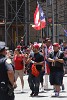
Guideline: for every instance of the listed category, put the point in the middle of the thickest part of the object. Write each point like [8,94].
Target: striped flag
[39,18]
[47,69]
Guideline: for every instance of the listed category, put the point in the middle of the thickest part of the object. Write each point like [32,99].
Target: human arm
[10,71]
[60,58]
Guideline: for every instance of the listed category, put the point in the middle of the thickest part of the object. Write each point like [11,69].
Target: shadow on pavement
[43,92]
[39,96]
[48,89]
[20,92]
[59,97]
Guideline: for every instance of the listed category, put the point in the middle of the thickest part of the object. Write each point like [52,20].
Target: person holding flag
[47,48]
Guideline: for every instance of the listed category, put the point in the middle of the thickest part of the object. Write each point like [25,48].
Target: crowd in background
[49,59]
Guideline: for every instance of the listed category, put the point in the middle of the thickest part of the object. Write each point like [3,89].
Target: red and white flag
[39,18]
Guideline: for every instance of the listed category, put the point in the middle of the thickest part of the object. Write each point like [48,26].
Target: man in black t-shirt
[38,61]
[56,61]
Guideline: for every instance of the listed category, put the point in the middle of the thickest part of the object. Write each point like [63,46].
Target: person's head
[2,48]
[48,42]
[35,48]
[19,47]
[64,43]
[65,52]
[17,51]
[56,47]
[31,45]
[8,53]
[28,50]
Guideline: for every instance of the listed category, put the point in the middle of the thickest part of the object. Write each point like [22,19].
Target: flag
[65,31]
[47,67]
[39,18]
[36,16]
[42,17]
[36,25]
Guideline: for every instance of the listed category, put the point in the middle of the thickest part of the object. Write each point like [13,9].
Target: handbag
[35,72]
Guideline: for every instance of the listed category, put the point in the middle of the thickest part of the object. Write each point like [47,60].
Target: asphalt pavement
[43,95]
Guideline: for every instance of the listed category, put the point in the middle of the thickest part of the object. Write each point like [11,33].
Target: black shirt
[57,66]
[65,62]
[38,57]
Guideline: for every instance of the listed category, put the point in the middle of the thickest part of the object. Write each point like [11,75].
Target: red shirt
[17,62]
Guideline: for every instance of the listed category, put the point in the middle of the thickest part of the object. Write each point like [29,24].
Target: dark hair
[2,49]
[18,50]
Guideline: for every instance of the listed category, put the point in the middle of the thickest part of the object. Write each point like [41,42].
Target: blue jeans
[34,83]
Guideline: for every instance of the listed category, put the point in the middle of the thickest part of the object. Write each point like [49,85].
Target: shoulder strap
[52,54]
[59,52]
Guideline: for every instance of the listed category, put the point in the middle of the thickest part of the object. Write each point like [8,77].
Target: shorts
[56,78]
[19,73]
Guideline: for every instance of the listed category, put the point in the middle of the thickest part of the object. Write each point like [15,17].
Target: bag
[35,72]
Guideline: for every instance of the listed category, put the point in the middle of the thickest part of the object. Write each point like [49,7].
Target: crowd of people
[36,61]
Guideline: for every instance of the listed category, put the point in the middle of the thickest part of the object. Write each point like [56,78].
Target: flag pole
[41,35]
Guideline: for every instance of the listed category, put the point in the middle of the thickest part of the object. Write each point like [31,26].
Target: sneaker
[32,94]
[35,94]
[56,94]
[54,90]
[22,90]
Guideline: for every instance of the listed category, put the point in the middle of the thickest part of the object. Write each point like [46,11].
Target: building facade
[17,17]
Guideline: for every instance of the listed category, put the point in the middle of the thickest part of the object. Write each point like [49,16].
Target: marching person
[46,49]
[6,75]
[37,61]
[63,48]
[56,61]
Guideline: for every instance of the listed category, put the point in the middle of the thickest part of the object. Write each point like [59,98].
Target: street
[47,94]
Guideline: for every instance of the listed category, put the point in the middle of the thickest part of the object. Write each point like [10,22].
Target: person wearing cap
[19,47]
[6,75]
[56,61]
[34,81]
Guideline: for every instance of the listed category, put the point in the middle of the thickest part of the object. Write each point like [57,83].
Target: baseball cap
[36,46]
[56,44]
[19,46]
